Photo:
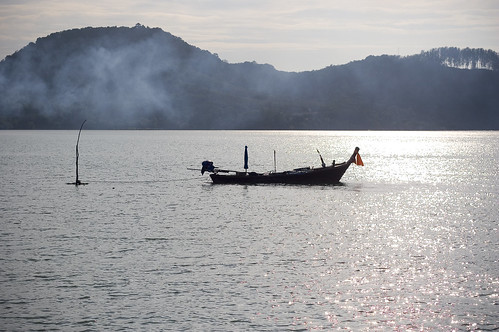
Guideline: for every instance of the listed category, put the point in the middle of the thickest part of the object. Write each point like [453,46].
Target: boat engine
[207,166]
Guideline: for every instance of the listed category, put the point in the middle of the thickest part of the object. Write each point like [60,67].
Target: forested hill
[144,78]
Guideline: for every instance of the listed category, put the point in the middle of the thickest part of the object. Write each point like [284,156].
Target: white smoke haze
[124,82]
[142,78]
[119,85]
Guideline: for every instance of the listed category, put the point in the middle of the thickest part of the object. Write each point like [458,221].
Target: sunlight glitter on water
[408,242]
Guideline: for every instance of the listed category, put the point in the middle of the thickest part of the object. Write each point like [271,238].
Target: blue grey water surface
[407,242]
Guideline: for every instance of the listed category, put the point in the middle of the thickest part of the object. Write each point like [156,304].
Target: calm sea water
[408,242]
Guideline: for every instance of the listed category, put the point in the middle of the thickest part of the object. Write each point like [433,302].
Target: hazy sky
[292,35]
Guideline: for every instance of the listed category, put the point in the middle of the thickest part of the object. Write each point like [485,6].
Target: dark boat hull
[326,175]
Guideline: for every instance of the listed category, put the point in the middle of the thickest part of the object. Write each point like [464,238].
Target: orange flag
[358,160]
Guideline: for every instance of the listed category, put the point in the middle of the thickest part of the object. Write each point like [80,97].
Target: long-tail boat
[327,174]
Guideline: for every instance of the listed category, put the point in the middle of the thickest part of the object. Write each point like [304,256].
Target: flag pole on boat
[246,158]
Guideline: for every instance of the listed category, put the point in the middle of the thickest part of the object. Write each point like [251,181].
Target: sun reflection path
[403,261]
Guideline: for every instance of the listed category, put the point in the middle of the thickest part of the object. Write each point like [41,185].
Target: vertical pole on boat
[275,165]
[246,158]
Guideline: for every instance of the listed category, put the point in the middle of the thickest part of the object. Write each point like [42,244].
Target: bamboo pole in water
[78,182]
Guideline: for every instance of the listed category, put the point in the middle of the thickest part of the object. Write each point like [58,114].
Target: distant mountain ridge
[145,78]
